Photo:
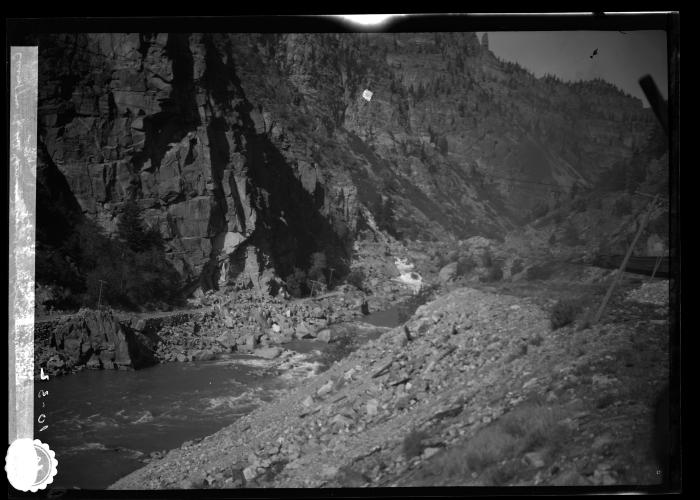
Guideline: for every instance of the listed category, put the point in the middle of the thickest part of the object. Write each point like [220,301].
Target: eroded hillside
[247,153]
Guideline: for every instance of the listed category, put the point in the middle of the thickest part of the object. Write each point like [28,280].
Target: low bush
[356,278]
[571,235]
[130,271]
[564,313]
[531,426]
[465,265]
[494,273]
[539,272]
[296,283]
[516,267]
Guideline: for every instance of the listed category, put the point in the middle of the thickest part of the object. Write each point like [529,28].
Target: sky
[621,59]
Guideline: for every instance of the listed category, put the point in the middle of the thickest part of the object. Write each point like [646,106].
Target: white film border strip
[23,151]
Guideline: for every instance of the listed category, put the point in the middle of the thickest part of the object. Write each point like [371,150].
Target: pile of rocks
[91,339]
[228,321]
[244,322]
[459,364]
[656,292]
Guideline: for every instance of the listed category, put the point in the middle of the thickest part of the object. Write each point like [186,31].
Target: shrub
[536,426]
[539,272]
[132,279]
[564,313]
[516,267]
[494,273]
[131,228]
[296,283]
[487,258]
[465,265]
[130,271]
[318,265]
[356,278]
[571,235]
[501,445]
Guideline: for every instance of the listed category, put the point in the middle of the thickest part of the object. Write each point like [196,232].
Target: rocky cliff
[92,339]
[250,152]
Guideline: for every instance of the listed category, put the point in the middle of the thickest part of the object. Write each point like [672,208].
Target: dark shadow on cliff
[83,265]
[178,114]
[291,222]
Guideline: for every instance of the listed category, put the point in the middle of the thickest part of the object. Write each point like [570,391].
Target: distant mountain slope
[250,152]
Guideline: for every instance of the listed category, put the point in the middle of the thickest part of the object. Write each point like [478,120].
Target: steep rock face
[96,339]
[161,118]
[251,151]
[454,139]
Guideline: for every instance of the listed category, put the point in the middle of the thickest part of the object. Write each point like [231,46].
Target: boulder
[349,329]
[302,331]
[96,337]
[205,355]
[268,352]
[327,335]
[247,343]
[448,272]
[249,473]
[325,388]
[227,339]
[372,407]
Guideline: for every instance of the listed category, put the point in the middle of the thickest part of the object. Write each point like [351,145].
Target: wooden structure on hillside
[636,265]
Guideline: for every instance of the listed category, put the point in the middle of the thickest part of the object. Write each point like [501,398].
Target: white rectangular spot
[367,95]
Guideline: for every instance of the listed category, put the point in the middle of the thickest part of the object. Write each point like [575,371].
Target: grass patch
[494,453]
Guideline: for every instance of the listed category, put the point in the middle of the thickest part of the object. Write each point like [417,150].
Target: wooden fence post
[621,270]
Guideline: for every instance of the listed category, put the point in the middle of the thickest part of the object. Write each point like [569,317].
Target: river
[104,424]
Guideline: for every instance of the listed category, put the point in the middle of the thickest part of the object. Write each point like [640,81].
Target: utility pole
[656,267]
[99,298]
[330,278]
[621,270]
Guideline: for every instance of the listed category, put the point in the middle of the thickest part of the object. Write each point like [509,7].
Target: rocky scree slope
[249,152]
[483,393]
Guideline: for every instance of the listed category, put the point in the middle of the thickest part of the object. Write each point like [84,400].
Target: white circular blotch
[368,19]
[30,465]
[367,95]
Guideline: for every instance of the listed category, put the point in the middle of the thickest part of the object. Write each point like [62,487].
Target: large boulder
[448,272]
[350,329]
[98,339]
[267,352]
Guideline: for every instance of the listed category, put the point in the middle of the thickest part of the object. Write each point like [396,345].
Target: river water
[104,424]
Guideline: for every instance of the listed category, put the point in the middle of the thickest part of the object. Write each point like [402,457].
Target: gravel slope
[472,358]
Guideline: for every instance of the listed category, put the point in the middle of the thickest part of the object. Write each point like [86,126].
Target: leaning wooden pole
[656,267]
[621,270]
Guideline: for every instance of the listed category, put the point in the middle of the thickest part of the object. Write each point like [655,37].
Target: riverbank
[475,389]
[108,423]
[226,322]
